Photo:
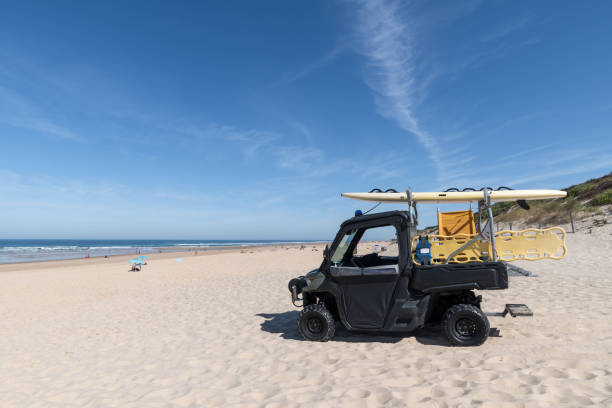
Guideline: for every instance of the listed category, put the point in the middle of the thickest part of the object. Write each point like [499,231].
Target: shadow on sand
[285,324]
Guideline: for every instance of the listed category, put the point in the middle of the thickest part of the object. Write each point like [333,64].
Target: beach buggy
[430,278]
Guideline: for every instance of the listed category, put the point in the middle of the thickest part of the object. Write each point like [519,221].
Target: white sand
[219,330]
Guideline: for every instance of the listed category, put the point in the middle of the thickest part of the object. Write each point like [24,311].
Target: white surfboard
[457,196]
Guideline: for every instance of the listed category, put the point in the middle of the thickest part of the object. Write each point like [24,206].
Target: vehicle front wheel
[316,323]
[465,325]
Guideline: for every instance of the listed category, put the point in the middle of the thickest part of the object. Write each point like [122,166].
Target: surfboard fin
[523,204]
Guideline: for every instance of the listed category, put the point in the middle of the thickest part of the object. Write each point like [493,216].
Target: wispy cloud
[250,141]
[525,168]
[569,168]
[178,196]
[297,157]
[303,130]
[496,43]
[46,188]
[310,67]
[506,29]
[304,161]
[42,126]
[17,111]
[390,35]
[386,41]
[310,163]
[518,120]
[526,153]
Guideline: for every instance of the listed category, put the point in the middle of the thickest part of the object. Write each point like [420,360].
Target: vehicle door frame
[401,223]
[402,228]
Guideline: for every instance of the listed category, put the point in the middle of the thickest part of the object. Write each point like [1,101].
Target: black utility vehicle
[392,293]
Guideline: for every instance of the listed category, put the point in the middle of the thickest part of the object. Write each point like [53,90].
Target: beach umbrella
[142,257]
[136,261]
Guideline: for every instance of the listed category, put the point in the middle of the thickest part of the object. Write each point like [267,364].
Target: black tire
[316,323]
[465,325]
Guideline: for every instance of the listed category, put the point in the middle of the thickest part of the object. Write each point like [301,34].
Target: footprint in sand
[381,395]
[580,374]
[304,397]
[482,376]
[509,386]
[529,379]
[258,396]
[440,391]
[431,403]
[310,380]
[549,372]
[358,372]
[288,376]
[226,383]
[403,380]
[453,383]
[497,404]
[186,400]
[415,394]
[448,364]
[584,365]
[358,393]
[280,404]
[558,395]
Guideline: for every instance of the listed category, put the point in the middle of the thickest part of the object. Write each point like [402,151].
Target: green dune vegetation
[583,200]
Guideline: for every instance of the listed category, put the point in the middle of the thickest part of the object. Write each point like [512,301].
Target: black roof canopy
[404,215]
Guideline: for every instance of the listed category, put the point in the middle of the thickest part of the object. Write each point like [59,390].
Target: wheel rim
[466,328]
[314,325]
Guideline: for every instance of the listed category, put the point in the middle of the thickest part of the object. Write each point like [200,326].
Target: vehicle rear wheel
[315,323]
[465,325]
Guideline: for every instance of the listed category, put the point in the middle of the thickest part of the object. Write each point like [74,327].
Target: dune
[218,329]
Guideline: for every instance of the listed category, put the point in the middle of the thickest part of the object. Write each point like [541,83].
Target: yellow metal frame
[530,245]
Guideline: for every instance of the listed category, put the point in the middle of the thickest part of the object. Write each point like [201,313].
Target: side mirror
[326,251]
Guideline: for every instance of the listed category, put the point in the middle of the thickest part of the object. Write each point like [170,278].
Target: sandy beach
[172,174]
[218,329]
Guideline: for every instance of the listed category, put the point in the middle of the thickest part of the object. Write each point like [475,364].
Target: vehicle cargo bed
[476,275]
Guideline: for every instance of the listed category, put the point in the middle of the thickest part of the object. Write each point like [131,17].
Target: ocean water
[30,250]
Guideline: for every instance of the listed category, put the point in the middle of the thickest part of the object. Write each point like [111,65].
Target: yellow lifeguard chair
[456,222]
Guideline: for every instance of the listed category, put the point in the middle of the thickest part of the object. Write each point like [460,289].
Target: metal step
[515,309]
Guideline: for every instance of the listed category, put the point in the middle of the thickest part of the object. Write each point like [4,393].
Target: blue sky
[247,120]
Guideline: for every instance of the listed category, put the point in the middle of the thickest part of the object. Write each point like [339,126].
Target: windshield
[343,246]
